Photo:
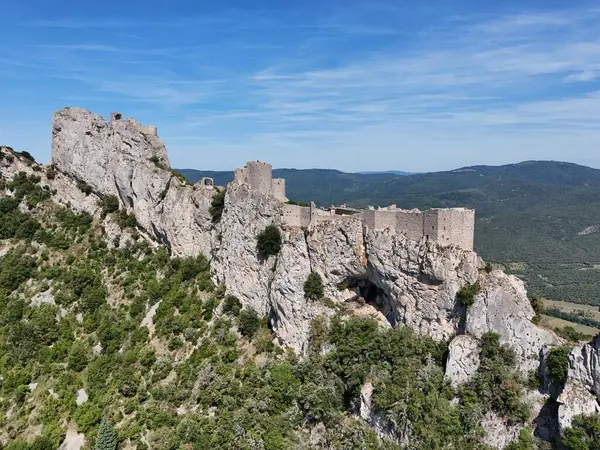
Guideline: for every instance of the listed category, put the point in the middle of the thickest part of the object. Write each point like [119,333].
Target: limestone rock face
[236,260]
[463,359]
[419,281]
[121,158]
[382,426]
[582,387]
[502,307]
[499,433]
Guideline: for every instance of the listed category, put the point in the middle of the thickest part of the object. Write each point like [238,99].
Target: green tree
[249,322]
[584,433]
[78,357]
[269,241]
[313,286]
[558,364]
[107,437]
[466,295]
[217,205]
[232,305]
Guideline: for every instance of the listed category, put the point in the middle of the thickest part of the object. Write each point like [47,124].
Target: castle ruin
[147,130]
[447,226]
[259,177]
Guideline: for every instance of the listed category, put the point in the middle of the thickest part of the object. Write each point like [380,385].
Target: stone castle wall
[451,226]
[278,189]
[296,216]
[259,177]
[456,226]
[410,223]
[148,130]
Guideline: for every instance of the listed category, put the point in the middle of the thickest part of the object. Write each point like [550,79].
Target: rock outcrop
[463,359]
[122,158]
[581,392]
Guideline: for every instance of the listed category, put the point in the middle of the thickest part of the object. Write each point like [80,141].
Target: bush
[51,173]
[558,364]
[466,295]
[249,323]
[313,286]
[538,307]
[109,204]
[27,156]
[269,241]
[126,220]
[78,358]
[217,205]
[523,442]
[569,333]
[232,305]
[584,433]
[84,187]
[497,368]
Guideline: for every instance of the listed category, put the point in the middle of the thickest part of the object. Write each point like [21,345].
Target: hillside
[117,332]
[104,337]
[537,218]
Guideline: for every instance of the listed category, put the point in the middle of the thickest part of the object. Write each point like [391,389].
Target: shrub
[51,173]
[232,305]
[558,364]
[488,268]
[126,220]
[84,187]
[26,155]
[249,323]
[584,433]
[466,295]
[217,205]
[571,334]
[313,286]
[523,442]
[109,204]
[78,358]
[269,241]
[497,368]
[538,307]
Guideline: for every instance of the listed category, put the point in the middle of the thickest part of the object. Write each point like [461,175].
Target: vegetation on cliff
[132,347]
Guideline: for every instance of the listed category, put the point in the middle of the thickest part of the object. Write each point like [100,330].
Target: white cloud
[348,90]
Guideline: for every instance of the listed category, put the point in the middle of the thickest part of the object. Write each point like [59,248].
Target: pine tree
[107,437]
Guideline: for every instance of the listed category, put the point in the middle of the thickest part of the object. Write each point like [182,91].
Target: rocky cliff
[381,274]
[121,158]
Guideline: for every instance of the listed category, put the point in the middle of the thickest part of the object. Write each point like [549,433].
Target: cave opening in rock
[369,293]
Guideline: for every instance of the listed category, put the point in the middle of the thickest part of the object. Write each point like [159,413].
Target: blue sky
[353,85]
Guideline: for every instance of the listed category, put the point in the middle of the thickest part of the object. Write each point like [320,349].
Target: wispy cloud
[351,83]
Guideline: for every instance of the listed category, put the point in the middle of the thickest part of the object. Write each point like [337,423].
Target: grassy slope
[528,213]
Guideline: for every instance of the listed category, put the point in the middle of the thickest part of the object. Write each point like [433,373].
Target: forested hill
[541,219]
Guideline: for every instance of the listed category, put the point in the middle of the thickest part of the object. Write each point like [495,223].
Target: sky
[353,85]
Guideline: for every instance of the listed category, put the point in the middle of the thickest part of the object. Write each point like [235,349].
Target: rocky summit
[400,269]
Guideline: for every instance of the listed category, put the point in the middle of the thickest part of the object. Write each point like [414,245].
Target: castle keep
[447,226]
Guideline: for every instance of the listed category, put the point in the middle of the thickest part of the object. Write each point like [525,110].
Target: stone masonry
[259,177]
[447,226]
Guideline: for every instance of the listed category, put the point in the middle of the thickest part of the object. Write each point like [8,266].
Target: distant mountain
[541,219]
[393,172]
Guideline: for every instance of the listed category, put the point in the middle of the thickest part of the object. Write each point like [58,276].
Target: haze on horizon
[356,85]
